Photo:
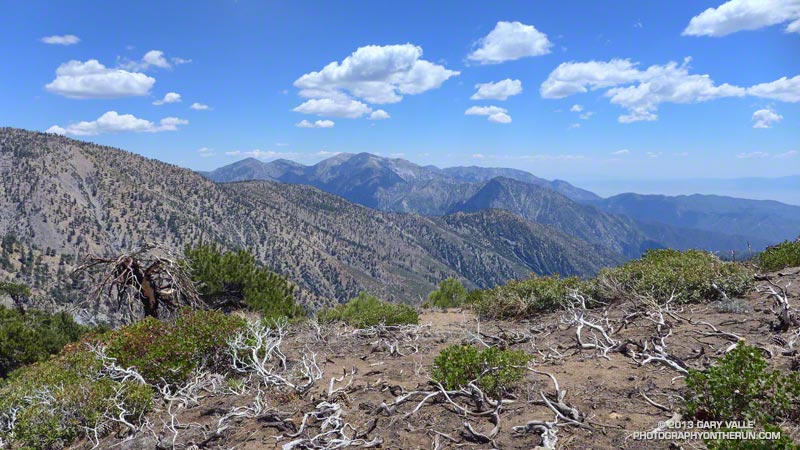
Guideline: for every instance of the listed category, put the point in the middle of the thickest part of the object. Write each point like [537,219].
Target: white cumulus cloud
[765,118]
[374,74]
[624,151]
[329,107]
[741,15]
[315,124]
[199,107]
[509,41]
[500,90]
[66,39]
[578,77]
[492,113]
[90,79]
[783,89]
[379,115]
[584,115]
[112,122]
[638,91]
[170,97]
[153,58]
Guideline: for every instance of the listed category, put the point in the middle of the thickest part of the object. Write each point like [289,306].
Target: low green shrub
[235,279]
[741,387]
[18,293]
[450,294]
[777,257]
[525,298]
[33,336]
[495,371]
[52,401]
[367,310]
[690,275]
[168,353]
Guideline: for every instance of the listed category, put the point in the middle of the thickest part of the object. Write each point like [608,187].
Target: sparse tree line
[192,343]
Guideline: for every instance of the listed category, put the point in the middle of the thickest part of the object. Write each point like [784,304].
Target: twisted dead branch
[257,350]
[788,317]
[565,415]
[600,328]
[334,431]
[396,340]
[152,276]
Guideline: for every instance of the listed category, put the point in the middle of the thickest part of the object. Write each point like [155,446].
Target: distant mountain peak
[340,165]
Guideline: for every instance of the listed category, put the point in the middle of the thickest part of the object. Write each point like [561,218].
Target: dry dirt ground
[373,389]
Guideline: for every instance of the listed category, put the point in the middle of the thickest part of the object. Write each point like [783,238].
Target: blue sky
[594,90]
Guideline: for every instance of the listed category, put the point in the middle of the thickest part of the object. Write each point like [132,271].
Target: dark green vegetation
[494,370]
[777,257]
[451,293]
[33,336]
[526,298]
[691,276]
[741,387]
[166,353]
[57,399]
[234,279]
[367,310]
[17,292]
[687,277]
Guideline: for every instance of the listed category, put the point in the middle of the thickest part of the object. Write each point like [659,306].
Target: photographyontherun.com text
[707,430]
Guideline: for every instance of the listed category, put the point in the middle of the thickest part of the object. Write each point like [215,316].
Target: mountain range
[60,196]
[350,223]
[628,228]
[765,219]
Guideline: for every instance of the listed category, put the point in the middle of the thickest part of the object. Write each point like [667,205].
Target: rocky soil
[371,388]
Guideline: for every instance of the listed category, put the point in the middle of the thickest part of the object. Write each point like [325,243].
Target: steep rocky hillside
[617,232]
[74,198]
